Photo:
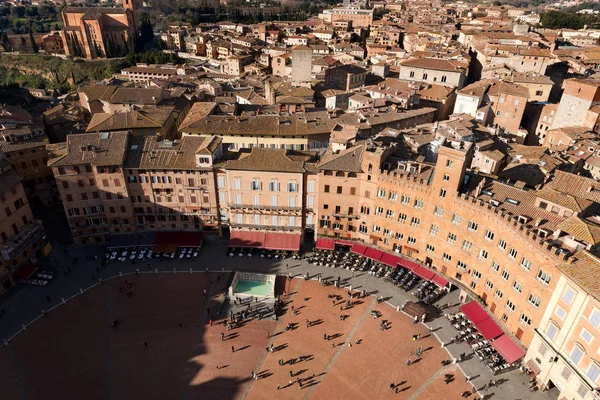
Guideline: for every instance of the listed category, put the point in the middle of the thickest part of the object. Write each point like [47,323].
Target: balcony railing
[264,207]
[349,216]
[266,227]
[21,241]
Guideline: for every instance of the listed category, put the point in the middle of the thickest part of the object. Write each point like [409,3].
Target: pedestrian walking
[408,362]
[210,322]
[268,335]
[232,349]
[278,388]
[392,386]
[222,336]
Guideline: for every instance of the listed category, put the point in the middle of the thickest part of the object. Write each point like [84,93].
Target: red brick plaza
[74,353]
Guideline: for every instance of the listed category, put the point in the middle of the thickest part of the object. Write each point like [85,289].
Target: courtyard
[165,347]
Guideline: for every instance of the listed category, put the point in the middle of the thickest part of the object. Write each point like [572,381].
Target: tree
[34,45]
[5,42]
[146,32]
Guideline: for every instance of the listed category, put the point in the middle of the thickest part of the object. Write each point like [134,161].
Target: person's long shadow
[242,348]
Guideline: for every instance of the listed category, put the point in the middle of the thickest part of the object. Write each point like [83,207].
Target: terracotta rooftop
[268,160]
[584,272]
[150,152]
[151,117]
[438,64]
[100,149]
[348,160]
[580,229]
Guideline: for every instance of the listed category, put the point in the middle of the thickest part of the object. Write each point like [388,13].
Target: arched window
[328,173]
[351,174]
[339,173]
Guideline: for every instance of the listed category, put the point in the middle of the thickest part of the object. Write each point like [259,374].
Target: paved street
[25,303]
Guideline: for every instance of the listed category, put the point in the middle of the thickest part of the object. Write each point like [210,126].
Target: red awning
[246,239]
[282,241]
[508,349]
[170,248]
[187,239]
[390,259]
[441,282]
[489,329]
[179,239]
[474,312]
[373,253]
[358,249]
[344,242]
[162,238]
[325,244]
[424,273]
[410,265]
[25,272]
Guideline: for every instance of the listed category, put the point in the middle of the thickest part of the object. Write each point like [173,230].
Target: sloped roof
[580,230]
[348,160]
[100,149]
[269,160]
[576,185]
[584,272]
[154,117]
[439,64]
[150,152]
[564,199]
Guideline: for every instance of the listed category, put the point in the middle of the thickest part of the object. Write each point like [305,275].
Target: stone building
[99,32]
[578,104]
[113,182]
[435,71]
[301,65]
[266,190]
[21,236]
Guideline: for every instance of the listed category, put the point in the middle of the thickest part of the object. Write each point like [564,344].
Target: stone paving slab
[365,370]
[64,355]
[8,381]
[441,388]
[222,374]
[25,302]
[153,314]
[307,341]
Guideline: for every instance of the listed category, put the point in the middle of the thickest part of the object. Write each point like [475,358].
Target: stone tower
[269,92]
[129,6]
[301,65]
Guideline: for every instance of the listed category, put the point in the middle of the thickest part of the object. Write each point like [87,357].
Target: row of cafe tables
[377,255]
[510,351]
